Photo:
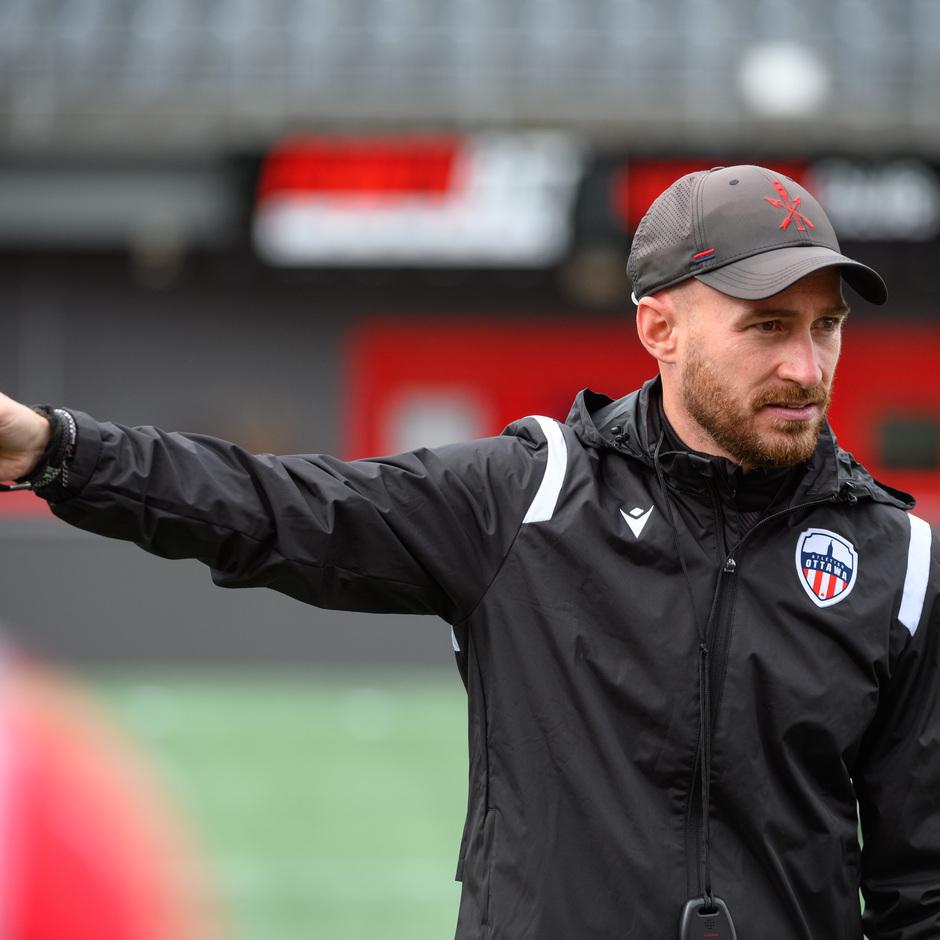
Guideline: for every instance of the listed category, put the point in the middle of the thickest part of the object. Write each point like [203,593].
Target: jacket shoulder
[558,445]
[852,472]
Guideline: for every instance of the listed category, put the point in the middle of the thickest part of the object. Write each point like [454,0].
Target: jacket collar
[631,425]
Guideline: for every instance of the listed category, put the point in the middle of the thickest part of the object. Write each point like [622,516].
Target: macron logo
[636,519]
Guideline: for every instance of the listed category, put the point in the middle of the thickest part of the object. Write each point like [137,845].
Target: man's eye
[828,323]
[768,326]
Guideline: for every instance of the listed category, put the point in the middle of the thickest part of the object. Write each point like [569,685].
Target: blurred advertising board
[426,200]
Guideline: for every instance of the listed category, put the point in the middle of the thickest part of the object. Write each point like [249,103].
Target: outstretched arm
[424,532]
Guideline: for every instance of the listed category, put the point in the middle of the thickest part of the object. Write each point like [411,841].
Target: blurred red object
[90,845]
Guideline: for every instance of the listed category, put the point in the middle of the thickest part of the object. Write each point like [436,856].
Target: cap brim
[768,273]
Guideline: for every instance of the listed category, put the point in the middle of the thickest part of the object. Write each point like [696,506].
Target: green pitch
[328,807]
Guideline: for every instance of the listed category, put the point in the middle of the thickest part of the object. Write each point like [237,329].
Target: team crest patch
[827,565]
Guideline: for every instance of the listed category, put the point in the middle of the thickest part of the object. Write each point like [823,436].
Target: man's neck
[753,487]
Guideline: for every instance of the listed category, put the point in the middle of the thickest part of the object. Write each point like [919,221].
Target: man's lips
[804,411]
[792,404]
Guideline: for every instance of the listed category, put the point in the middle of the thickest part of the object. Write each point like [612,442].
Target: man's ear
[657,325]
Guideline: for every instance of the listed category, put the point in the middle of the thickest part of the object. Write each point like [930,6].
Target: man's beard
[731,423]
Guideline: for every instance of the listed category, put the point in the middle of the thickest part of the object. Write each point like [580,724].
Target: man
[695,634]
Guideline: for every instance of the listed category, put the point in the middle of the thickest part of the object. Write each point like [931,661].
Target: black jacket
[617,635]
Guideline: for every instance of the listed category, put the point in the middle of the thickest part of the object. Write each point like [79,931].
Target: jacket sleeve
[899,786]
[421,532]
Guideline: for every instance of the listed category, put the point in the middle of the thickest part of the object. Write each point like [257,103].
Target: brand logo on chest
[827,565]
[637,519]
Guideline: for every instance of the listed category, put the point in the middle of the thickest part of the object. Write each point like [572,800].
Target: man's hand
[23,438]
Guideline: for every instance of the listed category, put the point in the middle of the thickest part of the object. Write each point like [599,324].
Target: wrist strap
[54,463]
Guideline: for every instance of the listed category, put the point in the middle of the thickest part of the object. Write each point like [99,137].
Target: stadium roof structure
[183,75]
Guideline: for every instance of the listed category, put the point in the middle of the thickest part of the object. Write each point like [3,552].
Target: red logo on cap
[784,203]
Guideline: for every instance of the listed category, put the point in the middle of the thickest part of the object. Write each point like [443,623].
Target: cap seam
[698,212]
[773,246]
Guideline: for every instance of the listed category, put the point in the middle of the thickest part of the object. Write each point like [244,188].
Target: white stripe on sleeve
[918,570]
[543,506]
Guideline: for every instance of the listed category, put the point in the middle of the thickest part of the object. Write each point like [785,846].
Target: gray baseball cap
[743,230]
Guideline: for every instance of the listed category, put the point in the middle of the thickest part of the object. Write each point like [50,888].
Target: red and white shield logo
[827,565]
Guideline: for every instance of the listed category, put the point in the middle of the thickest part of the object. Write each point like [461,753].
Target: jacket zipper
[713,654]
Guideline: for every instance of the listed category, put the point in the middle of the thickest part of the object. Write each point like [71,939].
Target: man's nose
[802,361]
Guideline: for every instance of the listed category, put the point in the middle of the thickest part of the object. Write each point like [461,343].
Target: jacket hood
[624,424]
